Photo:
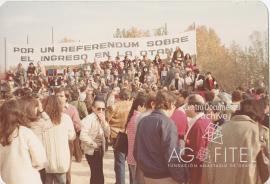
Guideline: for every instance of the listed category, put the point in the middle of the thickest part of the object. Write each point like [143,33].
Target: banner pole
[52,36]
[5,46]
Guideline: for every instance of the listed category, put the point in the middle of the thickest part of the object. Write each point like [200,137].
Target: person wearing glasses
[94,129]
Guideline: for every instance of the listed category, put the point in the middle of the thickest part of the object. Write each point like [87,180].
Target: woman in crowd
[22,154]
[137,107]
[56,141]
[37,119]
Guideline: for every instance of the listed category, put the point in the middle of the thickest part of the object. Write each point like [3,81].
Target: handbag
[121,142]
[263,157]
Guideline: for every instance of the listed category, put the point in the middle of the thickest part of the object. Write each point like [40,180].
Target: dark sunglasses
[99,109]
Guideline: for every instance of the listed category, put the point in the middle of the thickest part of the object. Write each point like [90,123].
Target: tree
[233,66]
[66,40]
[135,32]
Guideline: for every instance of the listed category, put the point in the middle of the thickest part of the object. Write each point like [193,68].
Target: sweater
[56,144]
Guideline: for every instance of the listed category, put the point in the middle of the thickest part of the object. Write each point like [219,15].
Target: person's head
[60,93]
[31,64]
[195,105]
[237,96]
[124,94]
[20,65]
[253,109]
[75,95]
[209,96]
[165,101]
[115,72]
[136,79]
[137,105]
[209,75]
[187,56]
[53,106]
[10,119]
[261,92]
[150,101]
[29,107]
[177,75]
[196,71]
[115,91]
[181,98]
[99,105]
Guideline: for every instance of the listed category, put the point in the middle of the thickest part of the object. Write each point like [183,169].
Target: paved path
[81,171]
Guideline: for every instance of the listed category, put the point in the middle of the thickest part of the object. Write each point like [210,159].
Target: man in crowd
[178,82]
[94,130]
[70,110]
[117,117]
[156,139]
[194,138]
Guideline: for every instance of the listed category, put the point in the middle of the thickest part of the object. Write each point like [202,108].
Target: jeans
[68,175]
[119,167]
[56,178]
[95,162]
[132,174]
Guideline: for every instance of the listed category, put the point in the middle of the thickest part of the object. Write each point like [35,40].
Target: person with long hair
[56,141]
[137,107]
[22,154]
[36,119]
[63,95]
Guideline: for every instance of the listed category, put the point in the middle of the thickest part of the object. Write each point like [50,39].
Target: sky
[88,20]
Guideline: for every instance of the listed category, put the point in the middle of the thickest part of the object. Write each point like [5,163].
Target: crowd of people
[168,109]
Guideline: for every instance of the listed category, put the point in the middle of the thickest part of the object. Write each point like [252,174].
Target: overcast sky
[232,20]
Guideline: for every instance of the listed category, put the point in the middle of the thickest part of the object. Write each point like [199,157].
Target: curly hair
[10,119]
[54,108]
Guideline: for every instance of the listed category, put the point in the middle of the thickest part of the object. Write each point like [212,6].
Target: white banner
[75,52]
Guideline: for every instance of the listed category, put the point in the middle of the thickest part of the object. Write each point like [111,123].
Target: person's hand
[101,117]
[40,108]
[77,127]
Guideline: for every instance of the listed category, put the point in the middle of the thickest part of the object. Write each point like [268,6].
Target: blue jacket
[155,141]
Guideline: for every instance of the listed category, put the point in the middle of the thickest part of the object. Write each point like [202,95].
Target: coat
[197,143]
[91,127]
[21,160]
[118,117]
[241,132]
